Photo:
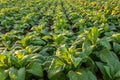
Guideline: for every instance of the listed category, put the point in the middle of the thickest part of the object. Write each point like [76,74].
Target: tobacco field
[59,39]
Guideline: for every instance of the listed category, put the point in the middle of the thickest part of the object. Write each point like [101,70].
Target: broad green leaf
[103,71]
[116,47]
[117,75]
[52,73]
[107,69]
[107,56]
[76,61]
[87,48]
[81,75]
[21,74]
[13,73]
[58,76]
[105,43]
[3,74]
[35,69]
[74,76]
[101,67]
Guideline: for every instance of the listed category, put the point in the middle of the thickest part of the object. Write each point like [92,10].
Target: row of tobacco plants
[60,40]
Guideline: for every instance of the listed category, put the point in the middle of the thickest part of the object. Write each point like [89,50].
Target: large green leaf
[107,56]
[17,74]
[116,47]
[55,74]
[117,75]
[21,73]
[13,73]
[35,69]
[107,69]
[81,75]
[105,43]
[3,74]
[110,71]
[87,48]
[74,76]
[101,67]
[103,71]
[76,61]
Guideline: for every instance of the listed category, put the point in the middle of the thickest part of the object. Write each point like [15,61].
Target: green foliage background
[59,40]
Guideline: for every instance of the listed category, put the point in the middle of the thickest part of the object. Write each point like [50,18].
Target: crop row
[59,40]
